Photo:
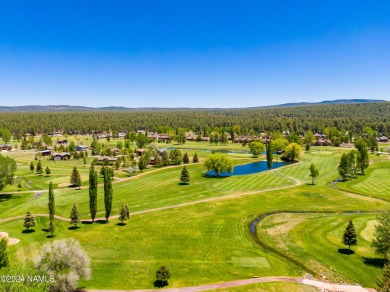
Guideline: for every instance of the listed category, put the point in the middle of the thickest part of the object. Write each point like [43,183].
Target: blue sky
[192,53]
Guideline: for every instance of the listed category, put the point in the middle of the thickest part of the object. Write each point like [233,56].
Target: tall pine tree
[185,176]
[93,182]
[107,192]
[51,202]
[29,220]
[39,168]
[195,159]
[75,178]
[186,160]
[74,216]
[350,237]
[269,154]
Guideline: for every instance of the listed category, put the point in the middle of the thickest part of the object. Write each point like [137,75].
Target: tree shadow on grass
[214,176]
[101,221]
[28,231]
[86,222]
[45,230]
[6,197]
[374,262]
[73,227]
[183,184]
[121,224]
[160,284]
[346,251]
[50,236]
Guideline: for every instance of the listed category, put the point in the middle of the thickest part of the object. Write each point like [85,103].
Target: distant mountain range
[67,108]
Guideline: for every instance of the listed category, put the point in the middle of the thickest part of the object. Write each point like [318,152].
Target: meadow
[201,230]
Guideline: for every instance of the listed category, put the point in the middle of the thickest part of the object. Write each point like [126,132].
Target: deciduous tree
[52,227]
[313,173]
[293,151]
[269,154]
[7,170]
[93,181]
[51,203]
[66,262]
[381,241]
[108,192]
[219,163]
[256,147]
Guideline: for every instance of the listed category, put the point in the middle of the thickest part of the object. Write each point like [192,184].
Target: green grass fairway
[375,183]
[207,240]
[316,240]
[250,262]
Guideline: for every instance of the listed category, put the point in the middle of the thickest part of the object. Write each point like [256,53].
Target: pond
[250,168]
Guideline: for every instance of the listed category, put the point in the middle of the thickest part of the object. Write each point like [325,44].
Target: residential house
[45,152]
[5,147]
[81,148]
[61,156]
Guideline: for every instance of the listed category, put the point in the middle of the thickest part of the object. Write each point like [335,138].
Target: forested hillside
[295,119]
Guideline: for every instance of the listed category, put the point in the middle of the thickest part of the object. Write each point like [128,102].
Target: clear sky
[192,53]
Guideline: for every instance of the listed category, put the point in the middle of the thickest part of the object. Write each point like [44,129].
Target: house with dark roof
[45,152]
[81,148]
[61,156]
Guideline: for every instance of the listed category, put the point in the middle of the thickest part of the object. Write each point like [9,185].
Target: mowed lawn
[375,183]
[197,242]
[203,243]
[315,240]
[150,190]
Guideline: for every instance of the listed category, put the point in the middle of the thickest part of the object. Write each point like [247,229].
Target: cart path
[296,183]
[224,285]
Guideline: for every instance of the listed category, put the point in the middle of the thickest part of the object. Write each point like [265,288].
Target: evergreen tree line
[293,119]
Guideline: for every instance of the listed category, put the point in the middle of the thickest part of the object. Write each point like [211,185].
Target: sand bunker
[64,185]
[11,241]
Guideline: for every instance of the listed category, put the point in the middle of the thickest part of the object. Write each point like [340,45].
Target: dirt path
[224,285]
[297,183]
